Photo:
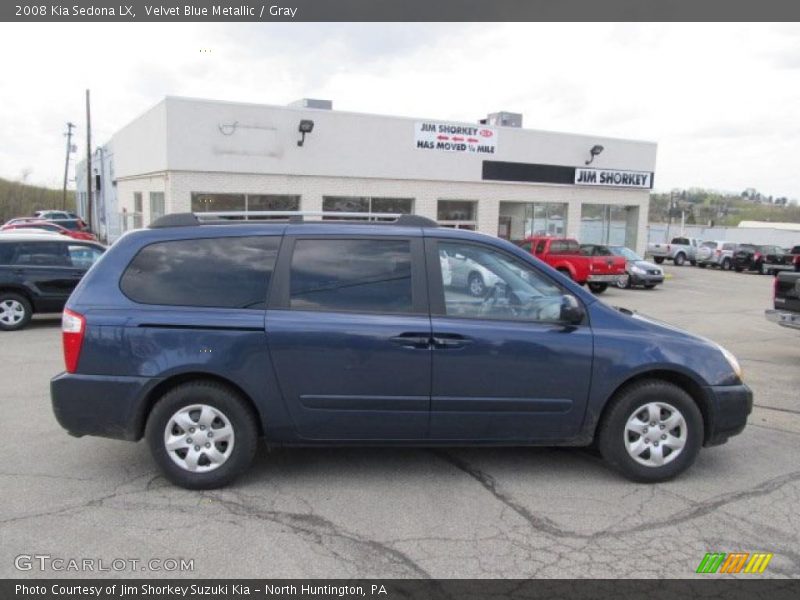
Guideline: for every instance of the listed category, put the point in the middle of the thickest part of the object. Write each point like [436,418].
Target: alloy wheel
[11,312]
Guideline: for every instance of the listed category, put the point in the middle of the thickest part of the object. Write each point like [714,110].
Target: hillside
[700,206]
[20,200]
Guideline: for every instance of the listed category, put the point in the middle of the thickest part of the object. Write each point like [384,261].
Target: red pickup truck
[564,254]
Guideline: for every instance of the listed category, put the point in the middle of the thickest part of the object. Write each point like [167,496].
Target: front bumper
[729,406]
[645,279]
[784,318]
[604,278]
[101,405]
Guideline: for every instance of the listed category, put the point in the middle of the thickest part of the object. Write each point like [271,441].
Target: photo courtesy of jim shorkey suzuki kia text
[177,590]
[255,11]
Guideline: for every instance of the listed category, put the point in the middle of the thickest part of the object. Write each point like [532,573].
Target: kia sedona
[203,337]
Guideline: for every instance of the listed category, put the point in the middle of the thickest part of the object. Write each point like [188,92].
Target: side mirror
[571,310]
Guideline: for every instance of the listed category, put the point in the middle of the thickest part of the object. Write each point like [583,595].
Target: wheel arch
[173,381]
[685,382]
[20,290]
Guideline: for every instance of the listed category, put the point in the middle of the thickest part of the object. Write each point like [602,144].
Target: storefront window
[460,214]
[244,203]
[520,220]
[609,224]
[365,204]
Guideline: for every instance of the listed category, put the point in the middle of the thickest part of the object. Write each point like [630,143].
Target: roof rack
[293,216]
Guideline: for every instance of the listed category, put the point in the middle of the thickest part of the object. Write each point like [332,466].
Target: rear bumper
[730,406]
[783,318]
[104,406]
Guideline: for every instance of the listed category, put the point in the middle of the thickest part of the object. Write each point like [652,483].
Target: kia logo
[486,133]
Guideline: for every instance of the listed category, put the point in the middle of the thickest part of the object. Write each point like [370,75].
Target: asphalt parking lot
[417,512]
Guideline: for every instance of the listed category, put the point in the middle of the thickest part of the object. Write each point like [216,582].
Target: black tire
[624,283]
[702,265]
[475,285]
[241,418]
[11,301]
[597,288]
[679,259]
[693,263]
[726,264]
[738,269]
[658,259]
[612,434]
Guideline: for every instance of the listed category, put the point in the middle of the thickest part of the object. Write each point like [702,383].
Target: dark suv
[203,338]
[38,272]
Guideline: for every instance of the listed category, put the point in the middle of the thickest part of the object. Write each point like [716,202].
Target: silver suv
[716,254]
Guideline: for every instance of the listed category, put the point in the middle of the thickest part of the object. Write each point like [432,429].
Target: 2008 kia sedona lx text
[203,337]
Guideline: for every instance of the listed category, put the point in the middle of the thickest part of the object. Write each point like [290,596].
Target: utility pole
[66,163]
[89,218]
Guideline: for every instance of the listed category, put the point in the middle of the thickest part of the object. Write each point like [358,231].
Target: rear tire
[726,264]
[476,285]
[679,259]
[597,288]
[15,311]
[179,416]
[652,431]
[658,259]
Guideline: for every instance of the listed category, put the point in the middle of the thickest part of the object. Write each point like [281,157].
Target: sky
[721,100]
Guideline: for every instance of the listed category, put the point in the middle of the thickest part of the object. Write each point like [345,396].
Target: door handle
[444,341]
[413,340]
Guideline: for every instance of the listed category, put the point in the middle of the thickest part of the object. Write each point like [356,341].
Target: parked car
[564,255]
[640,271]
[51,226]
[464,273]
[202,337]
[38,272]
[716,254]
[679,250]
[785,301]
[766,259]
[54,214]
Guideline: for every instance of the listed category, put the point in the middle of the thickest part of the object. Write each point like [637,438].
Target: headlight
[737,368]
[638,270]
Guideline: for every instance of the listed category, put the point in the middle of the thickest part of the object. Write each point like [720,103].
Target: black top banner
[398,10]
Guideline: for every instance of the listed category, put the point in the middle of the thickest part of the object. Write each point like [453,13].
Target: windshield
[627,253]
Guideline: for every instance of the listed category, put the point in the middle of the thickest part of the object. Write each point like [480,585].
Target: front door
[349,336]
[505,368]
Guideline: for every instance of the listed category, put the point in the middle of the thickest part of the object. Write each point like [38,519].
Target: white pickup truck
[679,250]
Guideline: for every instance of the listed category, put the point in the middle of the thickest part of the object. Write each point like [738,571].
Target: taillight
[757,256]
[73,327]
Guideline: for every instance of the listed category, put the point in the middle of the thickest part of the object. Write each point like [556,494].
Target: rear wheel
[679,259]
[202,434]
[652,432]
[15,311]
[658,259]
[726,264]
[597,288]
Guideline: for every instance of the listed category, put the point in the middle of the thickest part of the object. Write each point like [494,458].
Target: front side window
[228,272]
[488,284]
[43,254]
[357,275]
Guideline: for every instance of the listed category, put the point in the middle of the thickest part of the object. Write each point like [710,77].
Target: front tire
[476,285]
[652,431]
[15,311]
[597,288]
[202,435]
[679,259]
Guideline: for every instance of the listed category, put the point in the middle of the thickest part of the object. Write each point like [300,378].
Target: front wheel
[476,285]
[597,288]
[658,259]
[679,259]
[15,311]
[202,434]
[623,283]
[652,431]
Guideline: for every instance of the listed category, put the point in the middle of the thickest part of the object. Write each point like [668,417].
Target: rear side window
[42,254]
[229,272]
[352,275]
[6,253]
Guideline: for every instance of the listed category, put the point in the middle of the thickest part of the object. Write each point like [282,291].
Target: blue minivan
[203,337]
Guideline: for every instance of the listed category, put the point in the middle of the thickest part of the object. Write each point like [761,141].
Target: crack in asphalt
[318,527]
[549,527]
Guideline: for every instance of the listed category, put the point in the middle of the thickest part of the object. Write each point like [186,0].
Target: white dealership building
[492,175]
